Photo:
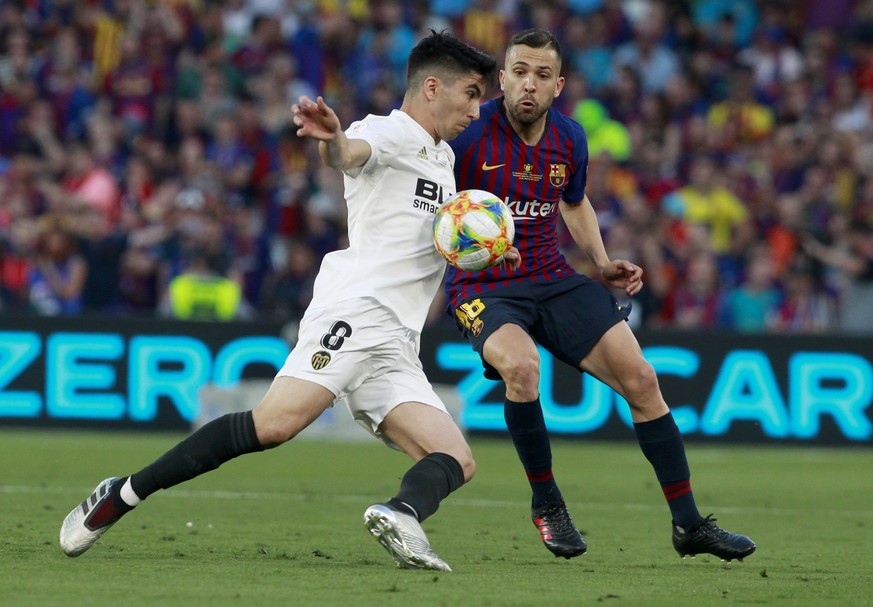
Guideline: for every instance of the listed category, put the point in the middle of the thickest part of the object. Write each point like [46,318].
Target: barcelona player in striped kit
[535,158]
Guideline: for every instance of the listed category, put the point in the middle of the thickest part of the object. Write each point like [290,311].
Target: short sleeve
[574,193]
[385,137]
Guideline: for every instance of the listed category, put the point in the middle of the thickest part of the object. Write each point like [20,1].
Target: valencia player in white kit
[358,340]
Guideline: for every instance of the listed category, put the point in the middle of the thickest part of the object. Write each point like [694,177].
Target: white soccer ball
[473,229]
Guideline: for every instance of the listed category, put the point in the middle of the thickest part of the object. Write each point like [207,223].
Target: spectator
[783,236]
[107,150]
[855,262]
[273,100]
[215,97]
[18,64]
[741,117]
[807,308]
[90,185]
[483,25]
[21,196]
[17,256]
[201,293]
[102,247]
[186,120]
[697,302]
[250,59]
[121,105]
[711,15]
[291,290]
[707,203]
[773,60]
[139,267]
[753,306]
[588,52]
[58,276]
[653,60]
[138,184]
[35,134]
[624,94]
[230,157]
[307,47]
[63,82]
[283,68]
[851,109]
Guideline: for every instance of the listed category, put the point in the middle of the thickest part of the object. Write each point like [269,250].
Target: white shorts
[360,352]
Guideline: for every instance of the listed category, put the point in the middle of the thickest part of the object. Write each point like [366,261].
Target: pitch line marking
[459,501]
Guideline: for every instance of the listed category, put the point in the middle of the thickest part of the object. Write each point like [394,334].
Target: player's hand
[511,259]
[316,119]
[623,274]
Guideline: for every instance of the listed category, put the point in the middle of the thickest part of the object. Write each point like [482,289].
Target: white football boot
[89,520]
[402,536]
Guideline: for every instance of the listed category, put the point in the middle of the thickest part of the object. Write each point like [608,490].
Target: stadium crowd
[149,164]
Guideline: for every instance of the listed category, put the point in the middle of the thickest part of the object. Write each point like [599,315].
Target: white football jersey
[392,200]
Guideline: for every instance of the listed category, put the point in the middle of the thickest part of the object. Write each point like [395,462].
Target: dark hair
[444,52]
[536,38]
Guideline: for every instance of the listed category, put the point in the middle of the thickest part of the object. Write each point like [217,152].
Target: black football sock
[115,491]
[426,484]
[662,445]
[206,449]
[531,439]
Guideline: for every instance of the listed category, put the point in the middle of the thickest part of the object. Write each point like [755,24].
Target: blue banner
[720,387]
[126,373]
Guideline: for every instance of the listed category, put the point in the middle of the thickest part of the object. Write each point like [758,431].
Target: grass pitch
[285,528]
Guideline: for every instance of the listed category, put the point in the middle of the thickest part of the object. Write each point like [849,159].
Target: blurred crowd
[149,164]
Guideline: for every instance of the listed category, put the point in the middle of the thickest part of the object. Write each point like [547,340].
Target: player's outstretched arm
[316,119]
[582,222]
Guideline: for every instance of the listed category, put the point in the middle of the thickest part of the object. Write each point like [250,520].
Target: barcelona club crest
[557,174]
[320,360]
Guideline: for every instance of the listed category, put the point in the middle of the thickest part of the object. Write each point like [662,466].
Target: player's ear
[430,87]
[559,86]
[500,76]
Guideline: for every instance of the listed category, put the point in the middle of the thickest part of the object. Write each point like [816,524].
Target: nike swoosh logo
[491,167]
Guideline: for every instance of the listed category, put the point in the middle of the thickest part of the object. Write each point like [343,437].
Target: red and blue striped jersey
[532,180]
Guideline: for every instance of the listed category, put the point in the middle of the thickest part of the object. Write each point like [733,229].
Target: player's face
[457,105]
[530,82]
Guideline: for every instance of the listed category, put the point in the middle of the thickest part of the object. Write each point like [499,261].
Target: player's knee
[468,465]
[521,373]
[275,431]
[640,382]
[463,455]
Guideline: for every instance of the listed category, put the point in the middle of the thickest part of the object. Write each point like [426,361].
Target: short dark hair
[444,52]
[536,38]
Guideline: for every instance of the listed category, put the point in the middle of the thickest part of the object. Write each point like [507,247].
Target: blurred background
[147,149]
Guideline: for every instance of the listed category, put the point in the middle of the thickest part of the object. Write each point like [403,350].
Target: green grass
[284,528]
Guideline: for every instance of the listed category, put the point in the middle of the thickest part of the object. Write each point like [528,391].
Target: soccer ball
[473,229]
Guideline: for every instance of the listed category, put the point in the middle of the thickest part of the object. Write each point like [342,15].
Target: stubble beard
[526,117]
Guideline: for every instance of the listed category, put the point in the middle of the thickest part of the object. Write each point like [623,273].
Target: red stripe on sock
[540,477]
[671,492]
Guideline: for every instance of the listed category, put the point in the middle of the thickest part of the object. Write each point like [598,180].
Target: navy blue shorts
[567,316]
